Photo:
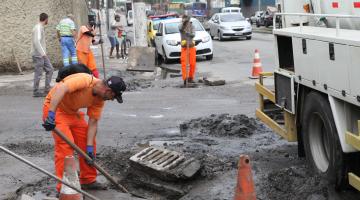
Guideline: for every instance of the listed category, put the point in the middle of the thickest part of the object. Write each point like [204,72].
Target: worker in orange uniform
[188,50]
[61,109]
[84,41]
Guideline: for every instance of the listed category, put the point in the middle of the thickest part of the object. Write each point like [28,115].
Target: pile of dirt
[222,125]
[296,183]
[137,84]
[31,148]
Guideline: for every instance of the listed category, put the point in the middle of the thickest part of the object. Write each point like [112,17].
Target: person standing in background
[84,41]
[66,32]
[114,34]
[40,58]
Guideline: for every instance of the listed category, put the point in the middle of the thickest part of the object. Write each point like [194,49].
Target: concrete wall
[16,23]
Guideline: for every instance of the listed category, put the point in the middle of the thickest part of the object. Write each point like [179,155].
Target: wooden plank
[354,181]
[271,123]
[290,127]
[265,92]
[266,73]
[353,140]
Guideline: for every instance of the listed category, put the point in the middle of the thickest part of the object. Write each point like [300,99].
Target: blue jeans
[68,50]
[113,41]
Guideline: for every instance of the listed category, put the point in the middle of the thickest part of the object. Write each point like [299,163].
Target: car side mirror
[216,21]
[158,34]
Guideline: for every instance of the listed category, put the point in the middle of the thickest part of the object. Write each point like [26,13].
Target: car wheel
[248,38]
[220,36]
[266,24]
[209,57]
[158,58]
[321,142]
[257,24]
[166,60]
[212,37]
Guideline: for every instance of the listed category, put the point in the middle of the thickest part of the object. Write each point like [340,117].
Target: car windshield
[231,18]
[171,28]
[156,25]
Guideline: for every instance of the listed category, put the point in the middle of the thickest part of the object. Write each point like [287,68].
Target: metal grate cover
[158,159]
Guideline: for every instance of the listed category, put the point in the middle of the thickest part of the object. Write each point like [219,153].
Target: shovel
[98,167]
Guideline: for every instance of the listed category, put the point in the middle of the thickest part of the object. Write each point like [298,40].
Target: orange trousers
[75,128]
[87,59]
[192,62]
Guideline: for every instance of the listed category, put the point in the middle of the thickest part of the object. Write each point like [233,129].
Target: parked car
[256,16]
[167,40]
[266,19]
[129,18]
[231,10]
[229,25]
[153,25]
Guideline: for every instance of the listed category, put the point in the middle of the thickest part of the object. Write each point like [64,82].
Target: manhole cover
[165,163]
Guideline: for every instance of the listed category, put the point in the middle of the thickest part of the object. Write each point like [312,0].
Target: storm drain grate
[158,159]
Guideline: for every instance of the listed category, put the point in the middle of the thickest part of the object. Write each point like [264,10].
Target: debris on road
[222,125]
[214,81]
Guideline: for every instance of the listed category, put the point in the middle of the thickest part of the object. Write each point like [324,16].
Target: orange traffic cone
[71,177]
[245,184]
[257,68]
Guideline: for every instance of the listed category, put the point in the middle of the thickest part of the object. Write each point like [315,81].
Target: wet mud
[222,125]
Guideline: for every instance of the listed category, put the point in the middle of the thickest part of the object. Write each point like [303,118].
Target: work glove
[49,123]
[96,73]
[90,153]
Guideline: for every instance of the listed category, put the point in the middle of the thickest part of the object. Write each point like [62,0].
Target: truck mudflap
[286,128]
[354,140]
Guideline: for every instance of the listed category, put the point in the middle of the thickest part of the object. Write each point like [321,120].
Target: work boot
[39,94]
[184,83]
[190,80]
[94,186]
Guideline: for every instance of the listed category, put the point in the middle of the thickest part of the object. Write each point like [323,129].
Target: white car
[229,25]
[167,40]
[130,18]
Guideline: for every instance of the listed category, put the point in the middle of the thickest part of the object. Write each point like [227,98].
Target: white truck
[317,85]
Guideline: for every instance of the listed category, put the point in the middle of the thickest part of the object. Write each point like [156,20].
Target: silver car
[229,25]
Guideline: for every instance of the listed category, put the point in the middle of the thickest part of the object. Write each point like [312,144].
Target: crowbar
[47,173]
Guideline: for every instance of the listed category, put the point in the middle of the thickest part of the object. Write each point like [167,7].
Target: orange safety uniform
[84,53]
[71,121]
[192,61]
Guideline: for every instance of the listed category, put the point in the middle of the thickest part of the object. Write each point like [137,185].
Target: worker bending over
[84,41]
[188,50]
[61,109]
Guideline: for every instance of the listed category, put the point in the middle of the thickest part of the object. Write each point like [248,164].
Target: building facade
[17,20]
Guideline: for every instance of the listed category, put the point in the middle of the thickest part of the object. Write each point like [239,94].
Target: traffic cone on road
[245,184]
[257,68]
[71,177]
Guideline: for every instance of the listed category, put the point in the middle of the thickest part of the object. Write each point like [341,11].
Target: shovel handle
[87,158]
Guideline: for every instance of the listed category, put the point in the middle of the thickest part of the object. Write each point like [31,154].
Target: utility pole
[139,17]
[259,5]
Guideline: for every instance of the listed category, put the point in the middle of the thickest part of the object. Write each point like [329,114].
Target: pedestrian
[188,50]
[61,109]
[114,34]
[85,40]
[40,58]
[66,32]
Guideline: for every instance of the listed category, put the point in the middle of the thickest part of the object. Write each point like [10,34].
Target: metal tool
[98,167]
[101,45]
[47,173]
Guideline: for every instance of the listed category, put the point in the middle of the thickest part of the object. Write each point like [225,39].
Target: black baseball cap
[117,85]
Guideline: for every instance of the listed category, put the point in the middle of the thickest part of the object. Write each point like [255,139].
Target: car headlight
[224,27]
[205,39]
[172,42]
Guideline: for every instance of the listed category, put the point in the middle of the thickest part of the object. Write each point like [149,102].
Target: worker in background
[114,34]
[40,58]
[85,40]
[61,109]
[188,50]
[66,32]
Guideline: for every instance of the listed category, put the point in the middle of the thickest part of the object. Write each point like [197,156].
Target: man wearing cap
[66,33]
[61,109]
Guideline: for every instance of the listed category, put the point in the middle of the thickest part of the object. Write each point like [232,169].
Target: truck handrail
[336,16]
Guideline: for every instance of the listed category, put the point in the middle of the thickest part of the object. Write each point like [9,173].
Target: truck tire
[322,146]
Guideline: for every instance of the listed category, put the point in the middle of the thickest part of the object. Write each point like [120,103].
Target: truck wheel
[322,146]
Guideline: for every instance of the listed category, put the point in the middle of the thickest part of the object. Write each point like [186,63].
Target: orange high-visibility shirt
[84,41]
[79,95]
